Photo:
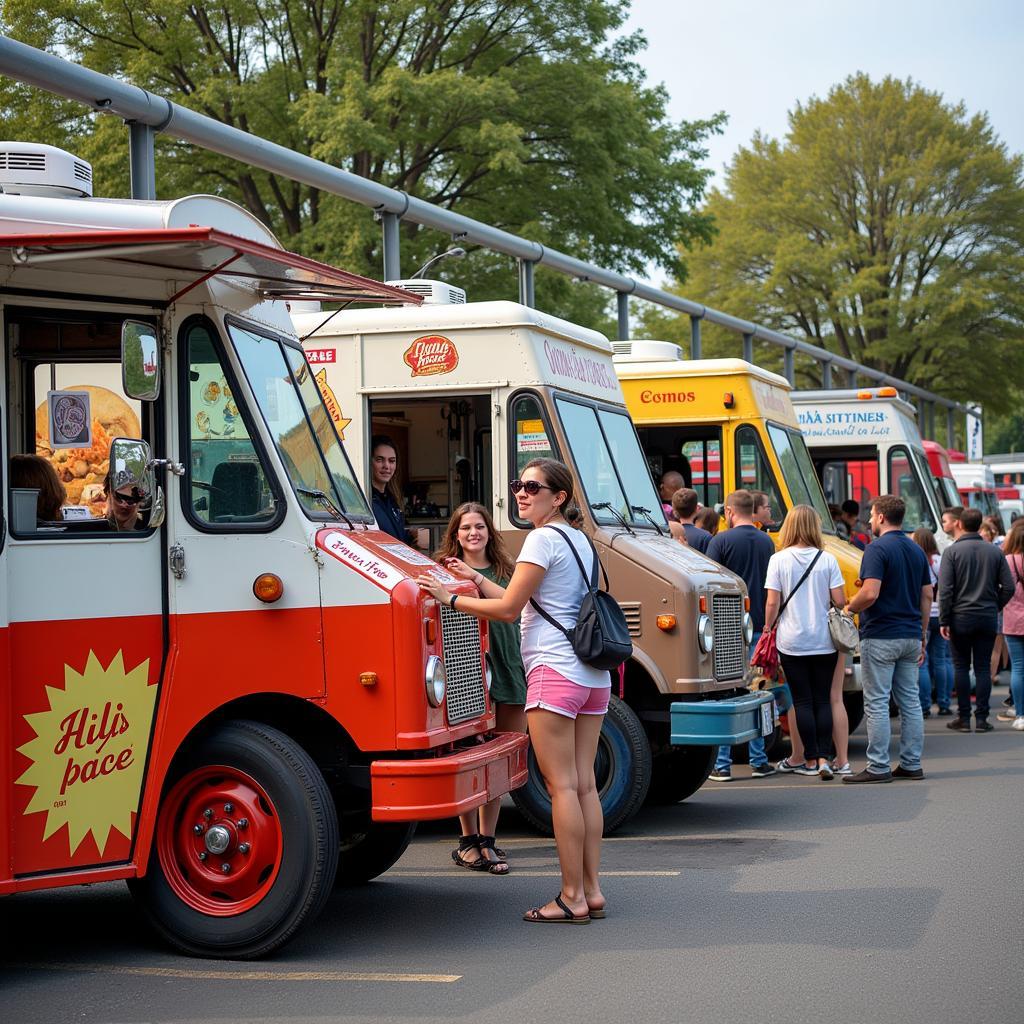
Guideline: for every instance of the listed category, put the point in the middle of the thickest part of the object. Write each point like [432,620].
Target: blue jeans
[890,667]
[758,756]
[1015,645]
[937,670]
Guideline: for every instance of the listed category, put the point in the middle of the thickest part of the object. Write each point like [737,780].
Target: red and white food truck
[242,695]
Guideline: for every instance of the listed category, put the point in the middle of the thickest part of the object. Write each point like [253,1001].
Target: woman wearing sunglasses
[566,700]
[122,504]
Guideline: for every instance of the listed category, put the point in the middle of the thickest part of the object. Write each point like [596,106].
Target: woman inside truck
[475,549]
[566,700]
[387,497]
[37,474]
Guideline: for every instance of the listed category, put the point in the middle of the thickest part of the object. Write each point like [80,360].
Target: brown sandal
[534,916]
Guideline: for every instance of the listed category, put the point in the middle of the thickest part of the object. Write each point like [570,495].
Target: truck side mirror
[140,361]
[130,466]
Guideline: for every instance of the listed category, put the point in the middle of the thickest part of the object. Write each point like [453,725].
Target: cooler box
[713,723]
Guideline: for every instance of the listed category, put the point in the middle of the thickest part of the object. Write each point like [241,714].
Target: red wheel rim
[219,841]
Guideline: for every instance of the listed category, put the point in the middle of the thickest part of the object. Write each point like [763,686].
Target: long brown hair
[557,476]
[802,525]
[35,473]
[495,552]
[1014,543]
[925,540]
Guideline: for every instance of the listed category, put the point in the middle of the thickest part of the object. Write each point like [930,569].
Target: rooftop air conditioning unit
[646,351]
[34,170]
[435,293]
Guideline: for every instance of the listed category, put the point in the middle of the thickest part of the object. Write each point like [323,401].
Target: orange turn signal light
[865,396]
[887,392]
[703,603]
[268,587]
[746,604]
[666,622]
[368,678]
[430,630]
[729,400]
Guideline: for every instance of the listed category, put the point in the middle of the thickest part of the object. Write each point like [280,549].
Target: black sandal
[471,842]
[498,866]
[534,916]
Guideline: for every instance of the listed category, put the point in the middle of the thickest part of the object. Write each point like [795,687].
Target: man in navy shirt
[744,550]
[684,504]
[894,603]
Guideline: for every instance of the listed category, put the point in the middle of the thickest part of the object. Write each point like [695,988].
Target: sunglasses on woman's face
[127,499]
[530,486]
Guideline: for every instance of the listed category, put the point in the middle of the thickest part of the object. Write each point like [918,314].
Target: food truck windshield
[300,424]
[612,468]
[798,471]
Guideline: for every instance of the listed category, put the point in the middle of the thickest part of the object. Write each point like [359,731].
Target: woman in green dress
[472,539]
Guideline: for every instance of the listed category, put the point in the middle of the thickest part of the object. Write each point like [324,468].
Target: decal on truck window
[89,751]
[70,419]
[431,354]
[340,421]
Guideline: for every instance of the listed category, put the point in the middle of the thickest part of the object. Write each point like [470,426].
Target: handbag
[766,653]
[843,631]
[600,637]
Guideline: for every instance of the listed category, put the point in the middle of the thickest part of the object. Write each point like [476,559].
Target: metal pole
[622,304]
[527,296]
[826,374]
[787,365]
[695,346]
[392,245]
[748,347]
[851,378]
[950,431]
[141,161]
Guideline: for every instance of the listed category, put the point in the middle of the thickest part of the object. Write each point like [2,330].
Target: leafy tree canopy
[534,117]
[888,227]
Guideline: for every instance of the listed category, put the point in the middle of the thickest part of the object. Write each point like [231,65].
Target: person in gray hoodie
[974,584]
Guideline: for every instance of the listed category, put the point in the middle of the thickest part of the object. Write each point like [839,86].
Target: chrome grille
[631,611]
[729,649]
[463,665]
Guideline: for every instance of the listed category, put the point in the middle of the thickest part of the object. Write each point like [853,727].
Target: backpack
[600,637]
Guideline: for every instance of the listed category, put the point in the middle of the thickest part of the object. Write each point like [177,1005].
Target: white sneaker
[842,769]
[1018,724]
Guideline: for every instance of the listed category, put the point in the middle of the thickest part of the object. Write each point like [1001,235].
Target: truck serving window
[300,425]
[227,481]
[610,463]
[798,472]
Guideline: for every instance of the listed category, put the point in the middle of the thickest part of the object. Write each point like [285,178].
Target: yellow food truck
[726,424]
[470,392]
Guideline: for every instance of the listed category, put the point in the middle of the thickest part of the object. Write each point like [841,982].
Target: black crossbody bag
[600,637]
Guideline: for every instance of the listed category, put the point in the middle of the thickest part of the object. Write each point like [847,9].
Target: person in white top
[809,581]
[566,700]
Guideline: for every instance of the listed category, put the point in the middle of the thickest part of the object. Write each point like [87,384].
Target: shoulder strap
[1016,569]
[799,584]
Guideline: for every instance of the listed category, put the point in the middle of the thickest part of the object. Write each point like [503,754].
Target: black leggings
[810,681]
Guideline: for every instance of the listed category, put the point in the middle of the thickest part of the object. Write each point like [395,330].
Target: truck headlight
[436,681]
[705,633]
[748,628]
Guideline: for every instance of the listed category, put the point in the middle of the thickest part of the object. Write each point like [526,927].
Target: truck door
[85,600]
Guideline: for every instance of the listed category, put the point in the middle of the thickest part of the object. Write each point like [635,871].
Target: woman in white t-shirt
[805,647]
[566,700]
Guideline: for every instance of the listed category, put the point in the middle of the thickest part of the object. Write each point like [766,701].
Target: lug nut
[226,868]
[207,814]
[243,822]
[198,829]
[228,808]
[202,855]
[243,848]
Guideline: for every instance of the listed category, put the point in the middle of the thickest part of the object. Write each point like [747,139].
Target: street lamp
[455,251]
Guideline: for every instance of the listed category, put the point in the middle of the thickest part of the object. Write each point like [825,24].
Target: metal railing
[146,113]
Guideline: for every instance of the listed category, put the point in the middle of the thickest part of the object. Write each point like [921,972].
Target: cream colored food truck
[470,393]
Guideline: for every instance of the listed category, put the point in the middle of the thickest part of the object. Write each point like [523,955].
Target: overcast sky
[754,60]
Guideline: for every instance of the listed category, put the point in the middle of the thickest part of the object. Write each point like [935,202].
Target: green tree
[532,116]
[888,227]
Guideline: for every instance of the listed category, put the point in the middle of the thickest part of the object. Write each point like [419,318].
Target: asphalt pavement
[783,899]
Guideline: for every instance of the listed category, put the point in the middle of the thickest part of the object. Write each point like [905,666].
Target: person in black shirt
[684,504]
[387,498]
[744,550]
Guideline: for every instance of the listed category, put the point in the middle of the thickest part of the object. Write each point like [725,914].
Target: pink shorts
[550,690]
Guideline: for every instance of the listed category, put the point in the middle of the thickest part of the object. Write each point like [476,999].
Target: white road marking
[218,975]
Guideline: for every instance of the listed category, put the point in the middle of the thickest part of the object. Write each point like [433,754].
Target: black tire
[679,773]
[853,701]
[622,767]
[300,811]
[372,852]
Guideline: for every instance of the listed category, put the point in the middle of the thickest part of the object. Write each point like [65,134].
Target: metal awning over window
[198,253]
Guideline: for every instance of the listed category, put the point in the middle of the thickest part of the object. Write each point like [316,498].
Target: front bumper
[443,787]
[712,723]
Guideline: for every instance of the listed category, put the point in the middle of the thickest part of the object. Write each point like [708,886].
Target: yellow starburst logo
[89,750]
[332,403]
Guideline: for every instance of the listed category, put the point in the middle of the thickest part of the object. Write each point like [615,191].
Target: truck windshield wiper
[615,512]
[323,499]
[646,513]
